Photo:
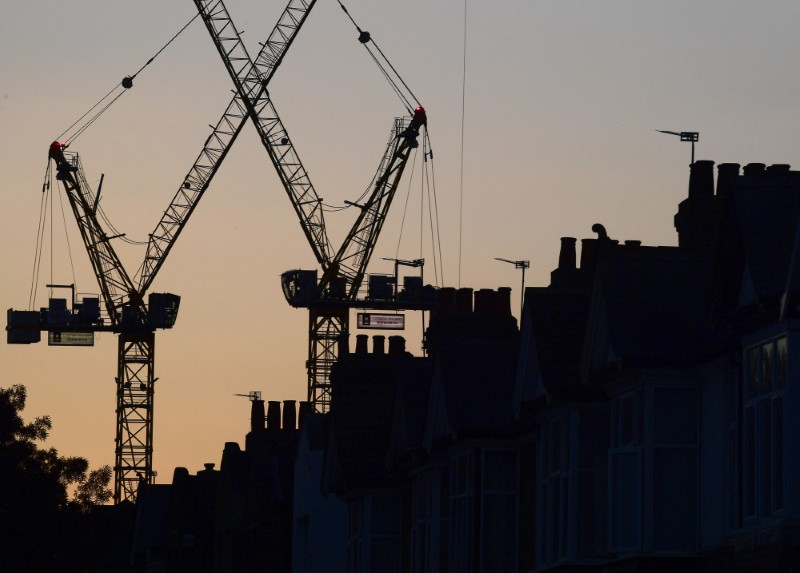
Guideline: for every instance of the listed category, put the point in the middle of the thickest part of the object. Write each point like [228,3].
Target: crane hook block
[364,37]
[127,82]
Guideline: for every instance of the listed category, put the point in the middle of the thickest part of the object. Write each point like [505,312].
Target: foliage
[38,517]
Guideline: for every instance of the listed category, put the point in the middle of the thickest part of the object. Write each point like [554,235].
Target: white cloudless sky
[562,101]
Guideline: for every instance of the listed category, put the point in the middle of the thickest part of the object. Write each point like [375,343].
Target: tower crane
[126,313]
[329,298]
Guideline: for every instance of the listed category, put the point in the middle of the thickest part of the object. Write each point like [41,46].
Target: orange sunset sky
[562,101]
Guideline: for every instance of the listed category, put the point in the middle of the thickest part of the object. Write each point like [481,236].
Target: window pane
[780,362]
[593,440]
[555,519]
[461,536]
[564,542]
[674,499]
[734,515]
[356,516]
[766,367]
[587,526]
[385,516]
[626,421]
[777,415]
[765,463]
[543,526]
[675,416]
[749,504]
[544,441]
[625,500]
[500,533]
[385,555]
[555,447]
[500,470]
[753,372]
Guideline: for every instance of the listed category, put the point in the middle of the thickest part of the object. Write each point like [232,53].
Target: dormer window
[762,432]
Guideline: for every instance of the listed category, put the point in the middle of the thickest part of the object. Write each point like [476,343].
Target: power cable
[461,176]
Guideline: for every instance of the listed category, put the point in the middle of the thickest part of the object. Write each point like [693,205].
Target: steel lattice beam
[327,328]
[134,441]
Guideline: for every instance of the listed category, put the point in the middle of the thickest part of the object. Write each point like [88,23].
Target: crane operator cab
[162,309]
[299,286]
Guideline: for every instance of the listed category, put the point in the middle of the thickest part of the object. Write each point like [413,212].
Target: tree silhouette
[39,518]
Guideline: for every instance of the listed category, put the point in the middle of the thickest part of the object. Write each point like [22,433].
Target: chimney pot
[378,344]
[754,168]
[256,415]
[305,409]
[701,178]
[209,466]
[397,345]
[447,300]
[273,415]
[464,300]
[725,173]
[588,253]
[361,344]
[567,257]
[344,344]
[631,243]
[289,414]
[779,168]
[485,301]
[504,301]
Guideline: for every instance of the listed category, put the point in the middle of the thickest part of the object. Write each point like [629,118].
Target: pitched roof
[557,318]
[655,300]
[475,379]
[411,407]
[362,402]
[766,213]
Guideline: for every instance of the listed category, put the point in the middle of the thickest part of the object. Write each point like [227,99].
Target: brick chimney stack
[699,217]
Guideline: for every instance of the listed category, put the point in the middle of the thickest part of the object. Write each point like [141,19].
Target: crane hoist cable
[428,192]
[433,214]
[427,145]
[47,215]
[366,38]
[125,84]
[405,206]
[37,256]
[66,237]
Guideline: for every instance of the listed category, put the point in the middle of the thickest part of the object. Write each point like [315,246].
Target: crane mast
[330,299]
[128,315]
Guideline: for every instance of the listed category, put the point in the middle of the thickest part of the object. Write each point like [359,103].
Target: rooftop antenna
[253,395]
[416,263]
[518,265]
[690,136]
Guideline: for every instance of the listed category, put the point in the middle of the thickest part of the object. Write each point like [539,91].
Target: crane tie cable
[365,38]
[126,84]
